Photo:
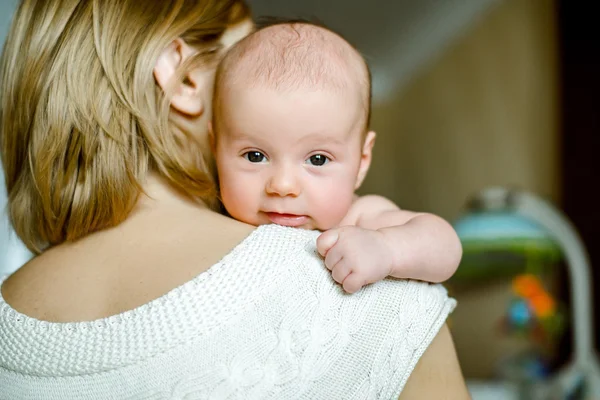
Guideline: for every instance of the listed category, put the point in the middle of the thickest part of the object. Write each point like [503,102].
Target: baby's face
[289,157]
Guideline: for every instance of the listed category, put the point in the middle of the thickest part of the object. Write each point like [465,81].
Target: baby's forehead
[328,114]
[277,120]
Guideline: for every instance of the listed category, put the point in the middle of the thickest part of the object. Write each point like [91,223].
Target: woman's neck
[158,194]
[166,240]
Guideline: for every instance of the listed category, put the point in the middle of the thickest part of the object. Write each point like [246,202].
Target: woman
[142,291]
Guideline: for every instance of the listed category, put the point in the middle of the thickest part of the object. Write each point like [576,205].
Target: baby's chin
[309,223]
[317,226]
[308,227]
[313,225]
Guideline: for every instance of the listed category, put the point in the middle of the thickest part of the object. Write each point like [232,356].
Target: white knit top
[266,322]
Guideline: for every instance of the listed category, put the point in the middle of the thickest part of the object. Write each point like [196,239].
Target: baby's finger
[353,283]
[334,256]
[340,271]
[326,241]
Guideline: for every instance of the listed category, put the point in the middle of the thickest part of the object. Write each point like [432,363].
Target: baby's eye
[255,157]
[318,160]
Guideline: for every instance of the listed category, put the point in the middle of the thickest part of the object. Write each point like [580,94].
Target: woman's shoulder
[298,248]
[294,252]
[269,306]
[380,331]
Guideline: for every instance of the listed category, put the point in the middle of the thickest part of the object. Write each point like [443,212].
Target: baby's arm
[415,245]
[424,246]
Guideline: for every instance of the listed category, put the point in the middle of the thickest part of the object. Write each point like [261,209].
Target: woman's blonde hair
[81,118]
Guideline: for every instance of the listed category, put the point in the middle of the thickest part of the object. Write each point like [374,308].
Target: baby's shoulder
[370,201]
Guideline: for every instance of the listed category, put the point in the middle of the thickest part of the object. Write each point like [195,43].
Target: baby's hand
[355,256]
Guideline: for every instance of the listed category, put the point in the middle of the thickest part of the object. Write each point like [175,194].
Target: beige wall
[484,113]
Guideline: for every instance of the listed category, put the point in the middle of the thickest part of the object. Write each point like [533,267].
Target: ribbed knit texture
[266,322]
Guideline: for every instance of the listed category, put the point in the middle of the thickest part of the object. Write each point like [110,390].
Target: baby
[291,141]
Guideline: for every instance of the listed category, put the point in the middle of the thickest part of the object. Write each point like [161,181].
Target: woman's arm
[437,374]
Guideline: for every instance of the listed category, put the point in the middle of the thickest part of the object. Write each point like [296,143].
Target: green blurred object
[500,243]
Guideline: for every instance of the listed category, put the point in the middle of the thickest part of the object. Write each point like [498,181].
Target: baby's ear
[185,96]
[365,158]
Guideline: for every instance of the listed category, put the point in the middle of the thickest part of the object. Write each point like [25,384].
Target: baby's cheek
[236,196]
[333,208]
[228,200]
[237,209]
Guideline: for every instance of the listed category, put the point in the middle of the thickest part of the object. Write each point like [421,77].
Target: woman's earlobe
[185,96]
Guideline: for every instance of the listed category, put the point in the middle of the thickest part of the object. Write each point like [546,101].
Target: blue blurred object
[498,225]
[519,314]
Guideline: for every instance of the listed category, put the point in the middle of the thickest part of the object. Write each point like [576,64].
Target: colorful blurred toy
[533,312]
[508,232]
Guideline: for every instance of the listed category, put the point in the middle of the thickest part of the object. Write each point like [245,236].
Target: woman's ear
[186,96]
[365,158]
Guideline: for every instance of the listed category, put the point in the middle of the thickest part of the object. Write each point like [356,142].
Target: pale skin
[118,269]
[296,158]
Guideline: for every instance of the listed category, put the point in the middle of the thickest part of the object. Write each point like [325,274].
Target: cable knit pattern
[266,322]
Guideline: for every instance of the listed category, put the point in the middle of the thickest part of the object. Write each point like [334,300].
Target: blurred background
[469,95]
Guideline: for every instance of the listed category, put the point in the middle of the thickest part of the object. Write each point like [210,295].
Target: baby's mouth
[292,220]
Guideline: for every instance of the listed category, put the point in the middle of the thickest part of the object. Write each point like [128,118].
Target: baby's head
[290,126]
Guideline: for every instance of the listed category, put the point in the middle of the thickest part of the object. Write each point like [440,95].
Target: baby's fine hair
[289,55]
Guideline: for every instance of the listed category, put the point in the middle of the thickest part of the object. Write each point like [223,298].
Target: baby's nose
[283,183]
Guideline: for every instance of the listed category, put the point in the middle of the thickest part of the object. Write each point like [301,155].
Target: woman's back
[266,321]
[165,242]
